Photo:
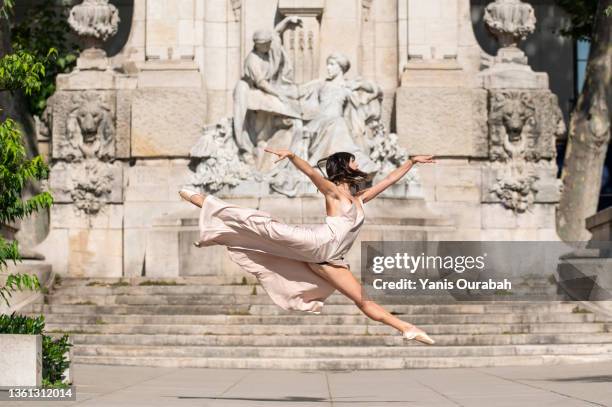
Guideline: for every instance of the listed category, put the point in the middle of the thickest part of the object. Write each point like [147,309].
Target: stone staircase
[206,322]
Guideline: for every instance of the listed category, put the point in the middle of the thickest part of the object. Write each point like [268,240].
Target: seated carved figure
[261,92]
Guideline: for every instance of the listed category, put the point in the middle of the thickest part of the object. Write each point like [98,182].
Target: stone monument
[198,90]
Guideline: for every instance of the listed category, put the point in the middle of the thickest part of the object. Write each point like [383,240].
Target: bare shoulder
[331,191]
[363,195]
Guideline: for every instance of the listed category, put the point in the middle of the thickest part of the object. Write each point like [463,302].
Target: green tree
[43,27]
[19,71]
[589,127]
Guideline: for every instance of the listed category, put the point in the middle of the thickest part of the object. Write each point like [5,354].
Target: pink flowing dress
[281,255]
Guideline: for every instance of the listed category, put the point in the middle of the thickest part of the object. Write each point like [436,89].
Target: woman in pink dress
[300,266]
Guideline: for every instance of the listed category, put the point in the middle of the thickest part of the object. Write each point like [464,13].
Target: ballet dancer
[300,266]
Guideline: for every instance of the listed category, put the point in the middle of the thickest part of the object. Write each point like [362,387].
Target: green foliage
[582,17]
[18,282]
[151,282]
[55,362]
[54,350]
[44,27]
[21,70]
[20,324]
[15,171]
[5,8]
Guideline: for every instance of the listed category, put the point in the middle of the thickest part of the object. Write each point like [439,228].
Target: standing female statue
[338,120]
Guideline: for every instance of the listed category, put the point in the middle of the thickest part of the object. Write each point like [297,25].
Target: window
[582,55]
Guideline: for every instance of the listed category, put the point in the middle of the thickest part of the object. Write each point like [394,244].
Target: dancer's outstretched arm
[324,185]
[394,176]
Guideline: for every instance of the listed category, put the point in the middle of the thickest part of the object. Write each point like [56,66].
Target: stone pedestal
[494,128]
[86,180]
[170,252]
[600,225]
[437,114]
[586,274]
[21,363]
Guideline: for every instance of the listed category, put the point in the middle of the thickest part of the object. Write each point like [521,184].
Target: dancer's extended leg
[345,282]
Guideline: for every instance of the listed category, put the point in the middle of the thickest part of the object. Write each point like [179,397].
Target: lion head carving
[90,131]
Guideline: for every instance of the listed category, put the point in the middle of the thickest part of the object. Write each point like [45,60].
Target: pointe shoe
[187,193]
[418,335]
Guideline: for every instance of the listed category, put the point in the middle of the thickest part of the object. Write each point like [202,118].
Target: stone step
[336,340]
[309,330]
[257,298]
[223,323]
[163,290]
[136,290]
[342,364]
[309,319]
[186,299]
[343,352]
[331,309]
[163,282]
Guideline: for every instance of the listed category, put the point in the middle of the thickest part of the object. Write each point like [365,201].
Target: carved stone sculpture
[261,92]
[218,163]
[515,187]
[313,119]
[523,125]
[83,171]
[337,124]
[510,21]
[89,129]
[512,126]
[94,21]
[92,181]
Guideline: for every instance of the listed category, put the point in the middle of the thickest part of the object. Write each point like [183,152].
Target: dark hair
[337,169]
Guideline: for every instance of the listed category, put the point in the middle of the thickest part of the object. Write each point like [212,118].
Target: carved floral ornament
[510,21]
[92,185]
[515,186]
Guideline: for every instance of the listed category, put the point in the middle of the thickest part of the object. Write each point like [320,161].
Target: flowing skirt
[279,255]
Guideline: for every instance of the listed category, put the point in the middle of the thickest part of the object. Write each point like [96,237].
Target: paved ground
[561,385]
